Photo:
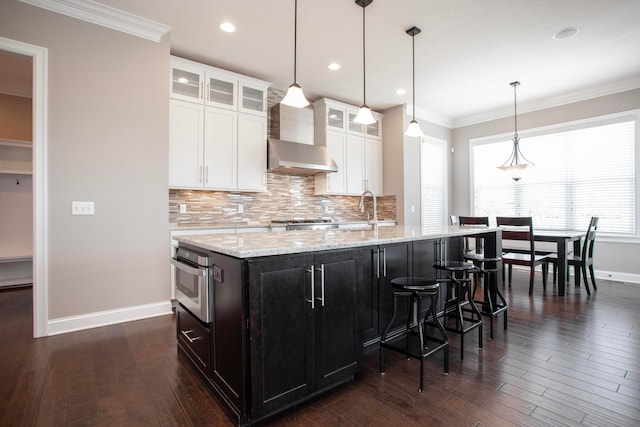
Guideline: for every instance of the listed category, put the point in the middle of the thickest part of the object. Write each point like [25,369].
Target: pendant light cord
[413,61]
[364,63]
[295,42]
[515,109]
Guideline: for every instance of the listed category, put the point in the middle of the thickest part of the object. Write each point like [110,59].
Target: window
[433,167]
[580,172]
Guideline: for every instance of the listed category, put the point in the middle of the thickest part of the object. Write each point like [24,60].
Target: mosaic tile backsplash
[287,197]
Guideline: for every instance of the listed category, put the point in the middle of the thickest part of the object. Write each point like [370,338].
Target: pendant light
[294,96]
[516,164]
[414,127]
[364,115]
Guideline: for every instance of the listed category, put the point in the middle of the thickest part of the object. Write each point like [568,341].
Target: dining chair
[521,229]
[488,266]
[582,261]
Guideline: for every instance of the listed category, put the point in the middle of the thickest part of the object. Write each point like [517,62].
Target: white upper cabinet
[356,149]
[218,129]
[187,80]
[221,91]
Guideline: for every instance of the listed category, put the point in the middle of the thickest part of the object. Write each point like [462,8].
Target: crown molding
[106,16]
[429,116]
[551,102]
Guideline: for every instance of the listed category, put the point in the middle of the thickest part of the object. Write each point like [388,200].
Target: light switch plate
[82,208]
[183,208]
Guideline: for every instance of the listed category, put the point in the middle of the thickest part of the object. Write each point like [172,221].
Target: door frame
[39,152]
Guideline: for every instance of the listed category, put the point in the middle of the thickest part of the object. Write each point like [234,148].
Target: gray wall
[611,256]
[107,142]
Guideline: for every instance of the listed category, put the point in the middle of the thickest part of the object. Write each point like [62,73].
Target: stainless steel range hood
[299,159]
[291,149]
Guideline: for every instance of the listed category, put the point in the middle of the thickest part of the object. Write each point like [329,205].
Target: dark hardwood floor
[570,360]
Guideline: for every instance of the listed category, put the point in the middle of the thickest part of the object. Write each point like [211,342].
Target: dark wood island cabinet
[290,320]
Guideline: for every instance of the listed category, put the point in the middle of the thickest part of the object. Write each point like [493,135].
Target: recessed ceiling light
[227,27]
[401,91]
[567,33]
[334,66]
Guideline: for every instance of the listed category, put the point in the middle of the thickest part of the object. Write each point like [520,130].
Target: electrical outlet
[240,208]
[82,208]
[183,208]
[326,208]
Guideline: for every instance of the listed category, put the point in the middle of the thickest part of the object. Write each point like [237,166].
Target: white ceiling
[466,56]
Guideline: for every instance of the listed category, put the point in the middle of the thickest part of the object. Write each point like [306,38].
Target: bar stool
[458,298]
[415,288]
[493,302]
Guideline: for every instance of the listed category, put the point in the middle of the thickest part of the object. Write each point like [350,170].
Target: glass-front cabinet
[335,118]
[221,91]
[186,81]
[253,98]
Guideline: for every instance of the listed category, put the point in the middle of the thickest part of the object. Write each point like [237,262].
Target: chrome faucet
[374,223]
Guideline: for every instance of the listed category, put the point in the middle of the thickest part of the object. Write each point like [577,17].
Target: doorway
[38,57]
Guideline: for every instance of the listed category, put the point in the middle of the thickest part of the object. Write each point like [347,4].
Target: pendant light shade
[294,96]
[414,127]
[364,115]
[516,164]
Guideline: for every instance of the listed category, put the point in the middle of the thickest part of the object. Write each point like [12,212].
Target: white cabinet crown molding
[106,16]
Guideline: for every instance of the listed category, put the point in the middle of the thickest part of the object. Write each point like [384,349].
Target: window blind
[578,173]
[433,166]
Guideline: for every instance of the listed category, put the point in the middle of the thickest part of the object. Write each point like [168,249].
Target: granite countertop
[249,245]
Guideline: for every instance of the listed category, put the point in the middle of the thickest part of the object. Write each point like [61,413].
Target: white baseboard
[109,317]
[617,276]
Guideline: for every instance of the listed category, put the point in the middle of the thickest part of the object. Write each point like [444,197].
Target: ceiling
[466,55]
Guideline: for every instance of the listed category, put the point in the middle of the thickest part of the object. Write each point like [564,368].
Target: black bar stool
[415,288]
[493,302]
[460,301]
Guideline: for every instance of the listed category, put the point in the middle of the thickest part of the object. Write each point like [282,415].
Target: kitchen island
[293,311]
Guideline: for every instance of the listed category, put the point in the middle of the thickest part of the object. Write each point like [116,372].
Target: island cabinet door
[427,252]
[393,260]
[338,338]
[281,326]
[368,295]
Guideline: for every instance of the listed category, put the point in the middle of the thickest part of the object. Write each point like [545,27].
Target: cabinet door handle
[313,288]
[384,262]
[186,335]
[321,270]
[206,174]
[377,263]
[200,175]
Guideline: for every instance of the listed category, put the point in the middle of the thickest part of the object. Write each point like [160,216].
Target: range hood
[298,159]
[291,149]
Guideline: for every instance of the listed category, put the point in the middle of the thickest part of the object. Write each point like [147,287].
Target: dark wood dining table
[562,239]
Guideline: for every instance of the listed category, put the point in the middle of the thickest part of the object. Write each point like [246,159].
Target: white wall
[620,258]
[108,143]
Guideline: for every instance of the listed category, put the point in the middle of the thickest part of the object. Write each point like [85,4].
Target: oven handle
[188,269]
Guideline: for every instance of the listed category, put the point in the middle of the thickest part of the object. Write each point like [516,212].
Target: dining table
[563,240]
